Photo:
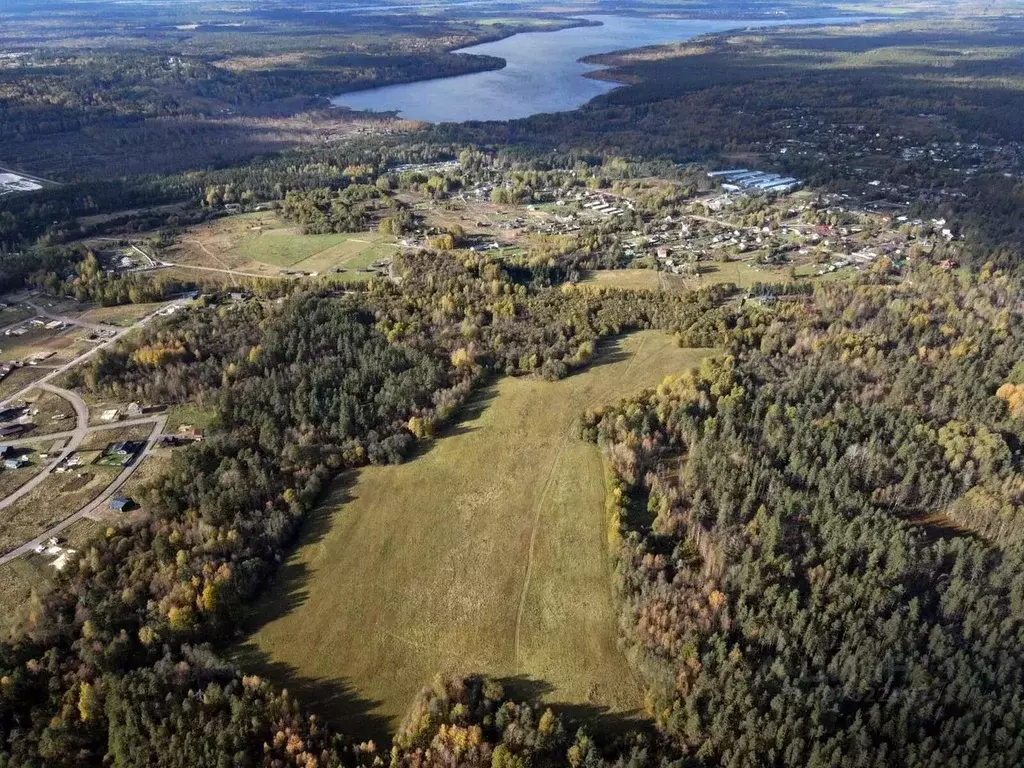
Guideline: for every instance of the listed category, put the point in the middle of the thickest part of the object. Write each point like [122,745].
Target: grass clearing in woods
[487,553]
[264,244]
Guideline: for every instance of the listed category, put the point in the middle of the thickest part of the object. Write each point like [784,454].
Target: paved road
[82,414]
[86,355]
[93,506]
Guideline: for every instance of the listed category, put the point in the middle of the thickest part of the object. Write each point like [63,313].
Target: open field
[122,316]
[486,553]
[56,498]
[634,279]
[262,244]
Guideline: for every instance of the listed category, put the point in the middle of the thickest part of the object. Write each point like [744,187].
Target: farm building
[743,180]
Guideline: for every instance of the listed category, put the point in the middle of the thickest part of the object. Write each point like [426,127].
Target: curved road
[93,506]
[86,355]
[79,433]
[82,414]
[22,441]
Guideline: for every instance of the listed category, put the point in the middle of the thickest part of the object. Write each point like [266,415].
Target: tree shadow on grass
[460,424]
[333,700]
[600,719]
[289,585]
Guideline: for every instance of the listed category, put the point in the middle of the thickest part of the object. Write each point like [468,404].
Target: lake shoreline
[550,71]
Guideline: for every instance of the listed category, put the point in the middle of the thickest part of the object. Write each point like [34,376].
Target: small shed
[121,503]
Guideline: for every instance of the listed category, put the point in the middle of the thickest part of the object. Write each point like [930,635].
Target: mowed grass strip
[411,570]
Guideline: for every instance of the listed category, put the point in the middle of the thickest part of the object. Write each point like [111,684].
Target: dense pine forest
[816,538]
[819,534]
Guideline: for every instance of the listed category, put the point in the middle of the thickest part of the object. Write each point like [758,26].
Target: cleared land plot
[122,316]
[179,415]
[409,570]
[15,314]
[12,479]
[101,438]
[20,378]
[20,577]
[38,340]
[151,467]
[55,499]
[50,406]
[262,244]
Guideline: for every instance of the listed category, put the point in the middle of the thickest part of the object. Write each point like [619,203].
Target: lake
[542,74]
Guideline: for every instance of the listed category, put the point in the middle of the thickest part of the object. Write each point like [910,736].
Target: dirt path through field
[485,554]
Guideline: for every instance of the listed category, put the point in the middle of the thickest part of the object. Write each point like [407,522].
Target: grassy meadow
[263,244]
[486,553]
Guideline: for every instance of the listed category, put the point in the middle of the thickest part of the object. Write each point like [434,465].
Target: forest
[165,94]
[817,536]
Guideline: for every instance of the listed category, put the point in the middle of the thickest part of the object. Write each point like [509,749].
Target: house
[134,410]
[7,414]
[121,503]
[189,432]
[112,414]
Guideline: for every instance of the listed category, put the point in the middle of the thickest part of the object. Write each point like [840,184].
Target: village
[69,461]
